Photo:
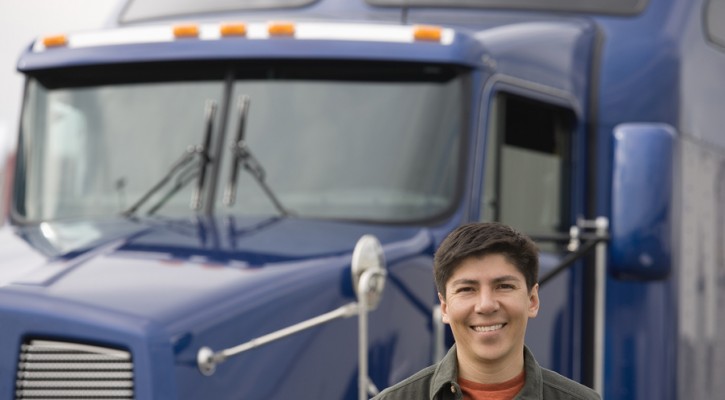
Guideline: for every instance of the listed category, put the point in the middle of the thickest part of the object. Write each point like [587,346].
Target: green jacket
[440,382]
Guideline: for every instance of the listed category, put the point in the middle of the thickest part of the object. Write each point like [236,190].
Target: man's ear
[534,301]
[444,309]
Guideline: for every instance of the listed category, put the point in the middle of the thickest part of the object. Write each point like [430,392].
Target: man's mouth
[487,328]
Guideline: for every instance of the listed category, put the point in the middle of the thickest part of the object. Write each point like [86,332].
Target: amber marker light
[427,33]
[281,29]
[55,41]
[186,31]
[227,30]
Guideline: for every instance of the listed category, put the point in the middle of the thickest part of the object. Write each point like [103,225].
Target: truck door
[535,162]
[529,184]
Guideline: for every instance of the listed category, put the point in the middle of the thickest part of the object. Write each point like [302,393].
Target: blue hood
[162,270]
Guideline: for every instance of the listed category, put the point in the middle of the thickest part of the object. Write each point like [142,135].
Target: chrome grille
[64,371]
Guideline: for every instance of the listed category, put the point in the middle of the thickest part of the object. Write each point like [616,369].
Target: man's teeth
[487,328]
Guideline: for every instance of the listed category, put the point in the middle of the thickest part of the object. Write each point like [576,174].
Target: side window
[528,165]
[715,21]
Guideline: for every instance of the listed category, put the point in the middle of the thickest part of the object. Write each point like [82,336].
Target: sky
[21,21]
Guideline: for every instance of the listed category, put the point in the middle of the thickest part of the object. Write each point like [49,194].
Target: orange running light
[233,30]
[281,29]
[186,31]
[55,41]
[428,33]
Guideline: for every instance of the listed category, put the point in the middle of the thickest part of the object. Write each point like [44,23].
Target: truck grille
[64,371]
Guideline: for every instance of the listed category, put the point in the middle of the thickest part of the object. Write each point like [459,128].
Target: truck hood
[163,270]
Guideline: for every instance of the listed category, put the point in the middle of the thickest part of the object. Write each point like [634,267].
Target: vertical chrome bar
[602,226]
[439,332]
[362,335]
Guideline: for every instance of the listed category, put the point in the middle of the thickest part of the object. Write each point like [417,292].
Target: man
[486,275]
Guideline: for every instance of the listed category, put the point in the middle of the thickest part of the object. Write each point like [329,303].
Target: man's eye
[464,289]
[506,286]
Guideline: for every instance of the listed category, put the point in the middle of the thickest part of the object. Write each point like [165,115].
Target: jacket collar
[534,386]
[445,377]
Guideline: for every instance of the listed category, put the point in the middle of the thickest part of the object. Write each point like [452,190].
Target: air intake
[60,371]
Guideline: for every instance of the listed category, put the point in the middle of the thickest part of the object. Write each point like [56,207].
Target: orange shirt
[493,391]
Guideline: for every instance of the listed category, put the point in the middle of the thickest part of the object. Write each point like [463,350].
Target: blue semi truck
[241,200]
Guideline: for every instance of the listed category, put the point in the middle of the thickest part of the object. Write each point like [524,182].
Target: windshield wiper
[205,158]
[243,155]
[184,171]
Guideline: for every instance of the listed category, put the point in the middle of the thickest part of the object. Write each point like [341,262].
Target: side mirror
[642,196]
[368,259]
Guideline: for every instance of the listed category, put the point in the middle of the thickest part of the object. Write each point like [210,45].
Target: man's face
[488,306]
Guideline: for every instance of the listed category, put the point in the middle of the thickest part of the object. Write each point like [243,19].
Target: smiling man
[486,275]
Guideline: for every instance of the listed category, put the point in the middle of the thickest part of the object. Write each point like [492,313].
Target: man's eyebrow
[496,280]
[506,278]
[465,281]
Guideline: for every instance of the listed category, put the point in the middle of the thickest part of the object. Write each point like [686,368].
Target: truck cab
[220,200]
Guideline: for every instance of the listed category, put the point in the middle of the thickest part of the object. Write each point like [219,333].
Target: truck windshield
[335,140]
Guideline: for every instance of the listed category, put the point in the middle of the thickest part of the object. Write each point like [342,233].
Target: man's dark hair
[482,239]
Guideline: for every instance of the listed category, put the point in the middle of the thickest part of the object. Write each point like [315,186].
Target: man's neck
[485,372]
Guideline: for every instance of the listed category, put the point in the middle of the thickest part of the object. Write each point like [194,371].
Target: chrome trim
[370,286]
[439,335]
[49,369]
[207,359]
[602,226]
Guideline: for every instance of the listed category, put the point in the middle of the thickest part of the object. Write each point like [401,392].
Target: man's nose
[487,302]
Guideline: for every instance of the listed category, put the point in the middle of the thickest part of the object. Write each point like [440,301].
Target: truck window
[91,150]
[528,157]
[349,140]
[353,142]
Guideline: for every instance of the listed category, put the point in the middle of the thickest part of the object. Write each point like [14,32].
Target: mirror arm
[570,259]
[369,275]
[579,250]
[207,359]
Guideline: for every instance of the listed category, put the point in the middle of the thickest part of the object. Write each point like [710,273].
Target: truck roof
[260,40]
